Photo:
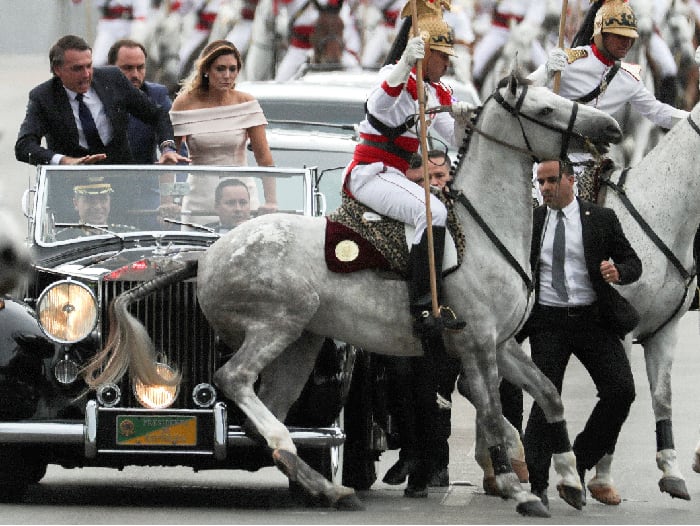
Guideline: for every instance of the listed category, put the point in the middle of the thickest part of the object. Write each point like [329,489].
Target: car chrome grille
[179,331]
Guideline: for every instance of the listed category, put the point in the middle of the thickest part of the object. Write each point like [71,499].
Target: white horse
[665,189]
[14,254]
[268,279]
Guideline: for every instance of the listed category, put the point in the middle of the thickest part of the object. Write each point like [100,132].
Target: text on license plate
[156,430]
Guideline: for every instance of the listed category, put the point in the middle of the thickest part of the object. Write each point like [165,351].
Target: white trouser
[240,35]
[108,32]
[292,61]
[387,191]
[662,57]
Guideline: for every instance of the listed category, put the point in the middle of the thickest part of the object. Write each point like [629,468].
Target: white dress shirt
[578,283]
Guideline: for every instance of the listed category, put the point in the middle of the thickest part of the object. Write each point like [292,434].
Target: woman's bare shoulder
[184,101]
[243,96]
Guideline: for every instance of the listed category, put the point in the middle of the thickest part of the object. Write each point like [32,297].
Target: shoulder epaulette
[633,69]
[574,54]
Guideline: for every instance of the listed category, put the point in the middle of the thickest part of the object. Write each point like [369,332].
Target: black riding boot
[425,324]
[667,90]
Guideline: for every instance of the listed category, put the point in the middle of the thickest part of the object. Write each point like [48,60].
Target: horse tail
[129,345]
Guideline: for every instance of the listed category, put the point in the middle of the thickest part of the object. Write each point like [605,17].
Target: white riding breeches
[387,191]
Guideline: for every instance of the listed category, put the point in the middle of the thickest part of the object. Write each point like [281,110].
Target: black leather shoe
[542,495]
[397,473]
[440,479]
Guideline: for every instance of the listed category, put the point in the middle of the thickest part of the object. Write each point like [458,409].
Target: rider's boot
[667,90]
[425,323]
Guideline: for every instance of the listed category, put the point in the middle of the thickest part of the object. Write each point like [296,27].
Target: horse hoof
[533,508]
[520,468]
[349,503]
[605,493]
[490,488]
[674,487]
[572,496]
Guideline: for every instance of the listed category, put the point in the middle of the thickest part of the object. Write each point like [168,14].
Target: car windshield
[73,203]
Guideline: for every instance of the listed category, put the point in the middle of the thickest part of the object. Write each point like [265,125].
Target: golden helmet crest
[437,33]
[615,16]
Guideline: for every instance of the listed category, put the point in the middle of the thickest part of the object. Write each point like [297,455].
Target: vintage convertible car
[49,416]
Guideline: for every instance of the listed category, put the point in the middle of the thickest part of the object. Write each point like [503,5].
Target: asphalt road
[179,496]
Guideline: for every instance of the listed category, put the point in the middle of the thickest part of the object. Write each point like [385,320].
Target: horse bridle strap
[464,201]
[515,111]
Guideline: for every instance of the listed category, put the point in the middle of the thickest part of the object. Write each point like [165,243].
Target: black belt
[575,311]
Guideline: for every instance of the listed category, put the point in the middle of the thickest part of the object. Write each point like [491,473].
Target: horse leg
[479,384]
[262,348]
[658,355]
[517,367]
[516,454]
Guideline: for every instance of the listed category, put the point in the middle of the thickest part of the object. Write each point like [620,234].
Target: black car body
[49,416]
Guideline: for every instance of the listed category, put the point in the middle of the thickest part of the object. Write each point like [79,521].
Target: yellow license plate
[156,430]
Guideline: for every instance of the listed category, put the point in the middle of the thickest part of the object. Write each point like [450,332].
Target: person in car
[217,121]
[93,203]
[232,204]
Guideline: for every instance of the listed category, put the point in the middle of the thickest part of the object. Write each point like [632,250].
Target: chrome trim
[220,427]
[319,437]
[90,429]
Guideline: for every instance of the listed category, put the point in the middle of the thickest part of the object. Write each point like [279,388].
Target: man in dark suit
[83,113]
[232,204]
[578,312]
[130,57]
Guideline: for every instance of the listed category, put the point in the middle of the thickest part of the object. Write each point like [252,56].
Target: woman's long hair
[198,81]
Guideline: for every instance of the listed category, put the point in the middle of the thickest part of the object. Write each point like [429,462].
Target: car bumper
[223,436]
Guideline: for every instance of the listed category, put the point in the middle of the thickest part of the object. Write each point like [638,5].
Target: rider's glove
[556,61]
[461,109]
[415,50]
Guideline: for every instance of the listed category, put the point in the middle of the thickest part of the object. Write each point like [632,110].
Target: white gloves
[556,61]
[415,50]
[461,109]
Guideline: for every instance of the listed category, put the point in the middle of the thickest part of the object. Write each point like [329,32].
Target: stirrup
[425,324]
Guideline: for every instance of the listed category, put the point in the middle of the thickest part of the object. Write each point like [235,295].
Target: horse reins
[688,277]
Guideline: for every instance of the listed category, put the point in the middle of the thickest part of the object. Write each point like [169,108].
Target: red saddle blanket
[347,251]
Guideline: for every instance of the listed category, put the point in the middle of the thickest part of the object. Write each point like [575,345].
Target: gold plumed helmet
[615,16]
[434,30]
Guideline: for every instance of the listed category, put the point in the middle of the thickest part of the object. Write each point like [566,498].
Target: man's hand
[609,272]
[556,61]
[88,159]
[171,157]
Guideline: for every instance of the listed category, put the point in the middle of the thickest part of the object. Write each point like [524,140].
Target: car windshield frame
[138,191]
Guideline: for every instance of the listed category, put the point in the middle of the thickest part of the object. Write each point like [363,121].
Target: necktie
[89,128]
[558,251]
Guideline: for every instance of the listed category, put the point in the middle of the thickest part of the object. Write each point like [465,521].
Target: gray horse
[268,280]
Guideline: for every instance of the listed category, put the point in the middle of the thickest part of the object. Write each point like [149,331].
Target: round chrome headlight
[204,395]
[67,311]
[157,396]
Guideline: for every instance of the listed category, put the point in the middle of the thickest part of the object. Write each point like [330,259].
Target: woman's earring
[206,75]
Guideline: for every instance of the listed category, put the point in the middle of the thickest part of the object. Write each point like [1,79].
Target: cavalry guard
[595,74]
[389,139]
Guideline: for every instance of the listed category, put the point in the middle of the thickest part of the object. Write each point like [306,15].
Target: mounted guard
[389,139]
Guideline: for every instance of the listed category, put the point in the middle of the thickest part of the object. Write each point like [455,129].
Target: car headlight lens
[157,396]
[67,311]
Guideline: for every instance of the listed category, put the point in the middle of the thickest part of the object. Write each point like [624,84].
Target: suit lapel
[65,111]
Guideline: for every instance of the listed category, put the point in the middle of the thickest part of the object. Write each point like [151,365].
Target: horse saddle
[358,238]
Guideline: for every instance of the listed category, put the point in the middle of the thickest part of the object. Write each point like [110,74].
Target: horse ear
[513,82]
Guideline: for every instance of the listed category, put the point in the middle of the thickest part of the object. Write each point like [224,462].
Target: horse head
[546,125]
[327,39]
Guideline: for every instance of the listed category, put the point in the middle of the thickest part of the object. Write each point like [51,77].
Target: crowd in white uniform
[481,28]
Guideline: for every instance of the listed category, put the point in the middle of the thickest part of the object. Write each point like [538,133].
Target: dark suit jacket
[142,136]
[49,115]
[603,238]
